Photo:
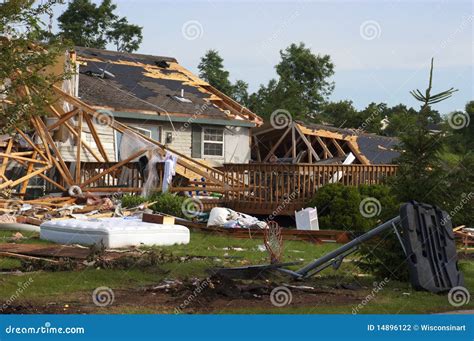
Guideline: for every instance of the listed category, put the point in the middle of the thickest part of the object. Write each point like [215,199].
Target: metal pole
[357,241]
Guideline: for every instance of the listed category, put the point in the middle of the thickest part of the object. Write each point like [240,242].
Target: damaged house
[160,99]
[119,108]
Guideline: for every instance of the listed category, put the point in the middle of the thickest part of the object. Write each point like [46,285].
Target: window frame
[204,141]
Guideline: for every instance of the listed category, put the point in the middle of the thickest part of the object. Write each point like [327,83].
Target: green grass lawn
[207,251]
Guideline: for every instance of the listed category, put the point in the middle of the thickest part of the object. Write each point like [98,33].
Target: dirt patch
[210,295]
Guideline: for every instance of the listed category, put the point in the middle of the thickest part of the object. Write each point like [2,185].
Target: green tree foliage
[460,128]
[166,203]
[458,156]
[398,117]
[340,114]
[339,207]
[91,25]
[420,173]
[302,86]
[211,69]
[24,56]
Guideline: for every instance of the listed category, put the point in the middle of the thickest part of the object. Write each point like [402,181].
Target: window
[142,131]
[213,142]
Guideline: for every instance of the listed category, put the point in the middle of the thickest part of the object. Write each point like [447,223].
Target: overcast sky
[381,49]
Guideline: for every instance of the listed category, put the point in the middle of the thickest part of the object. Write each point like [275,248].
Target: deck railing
[255,188]
[262,188]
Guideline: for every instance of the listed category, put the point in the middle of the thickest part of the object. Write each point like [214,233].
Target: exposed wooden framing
[289,151]
[308,144]
[5,159]
[62,188]
[340,151]
[276,145]
[32,144]
[362,159]
[293,141]
[78,147]
[58,160]
[114,167]
[63,119]
[74,132]
[29,176]
[327,153]
[94,134]
[255,143]
[15,157]
[183,160]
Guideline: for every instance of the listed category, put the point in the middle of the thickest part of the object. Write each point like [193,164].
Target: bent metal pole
[303,272]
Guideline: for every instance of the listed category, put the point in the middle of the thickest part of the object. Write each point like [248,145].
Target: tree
[398,116]
[460,126]
[240,92]
[302,86]
[420,173]
[126,37]
[211,69]
[89,25]
[25,82]
[339,114]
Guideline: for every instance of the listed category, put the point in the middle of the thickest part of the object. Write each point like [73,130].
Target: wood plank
[276,145]
[78,147]
[325,148]
[308,145]
[114,167]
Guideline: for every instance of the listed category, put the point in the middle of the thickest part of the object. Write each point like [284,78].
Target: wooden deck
[256,188]
[280,189]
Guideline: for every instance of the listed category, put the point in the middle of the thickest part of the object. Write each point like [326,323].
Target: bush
[168,203]
[130,200]
[339,208]
[165,203]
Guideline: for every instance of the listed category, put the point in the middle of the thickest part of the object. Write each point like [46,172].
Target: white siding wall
[236,142]
[181,137]
[237,145]
[68,148]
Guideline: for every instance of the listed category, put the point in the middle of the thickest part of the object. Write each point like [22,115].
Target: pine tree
[420,168]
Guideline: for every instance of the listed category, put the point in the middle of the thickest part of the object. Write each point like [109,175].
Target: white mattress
[113,232]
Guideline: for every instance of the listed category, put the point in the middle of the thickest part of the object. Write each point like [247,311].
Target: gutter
[190,120]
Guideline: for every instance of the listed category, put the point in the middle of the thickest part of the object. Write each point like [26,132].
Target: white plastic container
[113,232]
[307,219]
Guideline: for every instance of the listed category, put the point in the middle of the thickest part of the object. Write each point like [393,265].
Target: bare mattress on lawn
[113,232]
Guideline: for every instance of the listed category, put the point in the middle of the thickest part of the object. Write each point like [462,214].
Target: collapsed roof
[126,82]
[299,142]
